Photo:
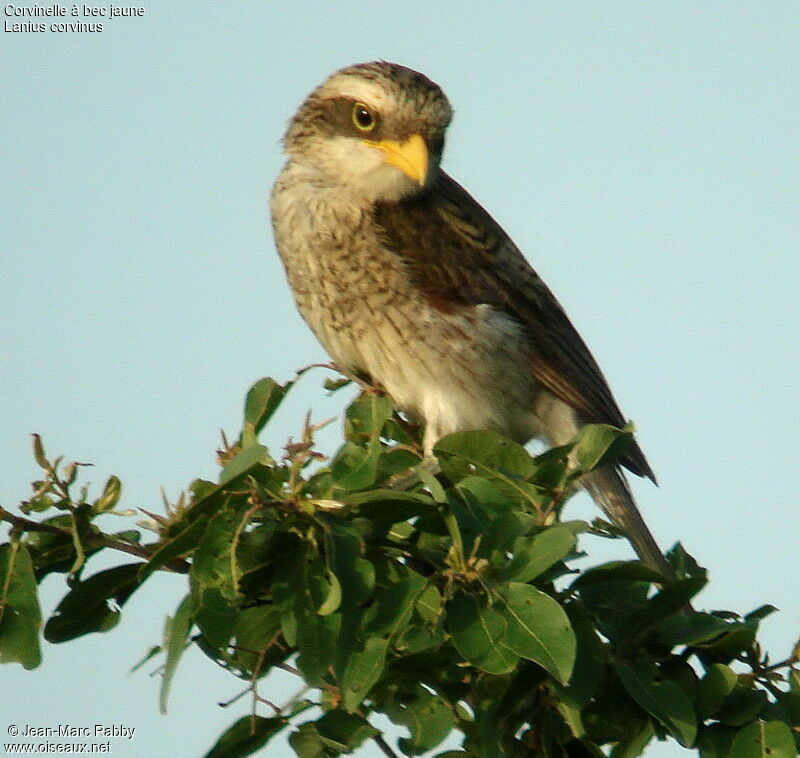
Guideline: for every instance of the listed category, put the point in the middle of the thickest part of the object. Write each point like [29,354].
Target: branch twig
[176,565]
[383,745]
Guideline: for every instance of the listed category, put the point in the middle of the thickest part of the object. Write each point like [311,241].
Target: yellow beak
[411,156]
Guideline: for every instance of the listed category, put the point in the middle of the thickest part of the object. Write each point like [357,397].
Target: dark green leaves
[764,739]
[175,633]
[715,686]
[336,731]
[261,402]
[300,589]
[248,735]
[20,618]
[243,463]
[434,593]
[522,622]
[171,547]
[356,467]
[478,630]
[381,624]
[93,605]
[597,443]
[662,698]
[214,577]
[492,457]
[366,415]
[428,719]
[538,629]
[362,671]
[486,454]
[533,557]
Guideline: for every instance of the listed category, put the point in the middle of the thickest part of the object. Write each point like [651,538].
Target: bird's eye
[362,118]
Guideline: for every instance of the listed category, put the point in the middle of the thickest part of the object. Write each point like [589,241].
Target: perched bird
[411,285]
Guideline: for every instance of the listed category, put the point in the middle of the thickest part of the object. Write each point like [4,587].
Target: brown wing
[458,255]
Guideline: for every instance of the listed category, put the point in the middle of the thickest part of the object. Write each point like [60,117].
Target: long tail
[610,491]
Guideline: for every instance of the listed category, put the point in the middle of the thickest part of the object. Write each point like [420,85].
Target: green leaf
[590,659]
[532,557]
[20,617]
[429,604]
[307,742]
[692,629]
[333,385]
[390,506]
[299,589]
[51,552]
[428,719]
[741,706]
[614,571]
[175,644]
[760,613]
[318,644]
[262,400]
[485,453]
[596,444]
[663,699]
[246,736]
[110,497]
[286,594]
[355,574]
[393,606]
[39,454]
[151,653]
[634,741]
[93,605]
[362,671]
[684,564]
[213,580]
[715,741]
[669,600]
[366,416]
[355,467]
[478,492]
[724,648]
[501,534]
[334,597]
[491,456]
[243,463]
[714,687]
[538,629]
[477,630]
[169,548]
[256,630]
[207,497]
[344,731]
[418,637]
[764,739]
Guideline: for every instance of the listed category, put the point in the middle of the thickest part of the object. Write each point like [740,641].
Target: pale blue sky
[644,156]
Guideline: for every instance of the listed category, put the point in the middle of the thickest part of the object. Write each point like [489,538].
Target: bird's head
[376,130]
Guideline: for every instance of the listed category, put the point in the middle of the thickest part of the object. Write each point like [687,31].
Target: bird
[411,286]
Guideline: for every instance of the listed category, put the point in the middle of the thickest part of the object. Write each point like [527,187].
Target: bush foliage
[445,599]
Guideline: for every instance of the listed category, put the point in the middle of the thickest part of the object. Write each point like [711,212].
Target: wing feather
[458,256]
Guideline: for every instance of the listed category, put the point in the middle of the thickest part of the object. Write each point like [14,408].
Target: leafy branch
[449,599]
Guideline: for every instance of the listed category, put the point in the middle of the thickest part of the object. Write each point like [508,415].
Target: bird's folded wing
[458,256]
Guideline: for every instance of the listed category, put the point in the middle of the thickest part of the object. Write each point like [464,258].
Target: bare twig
[383,745]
